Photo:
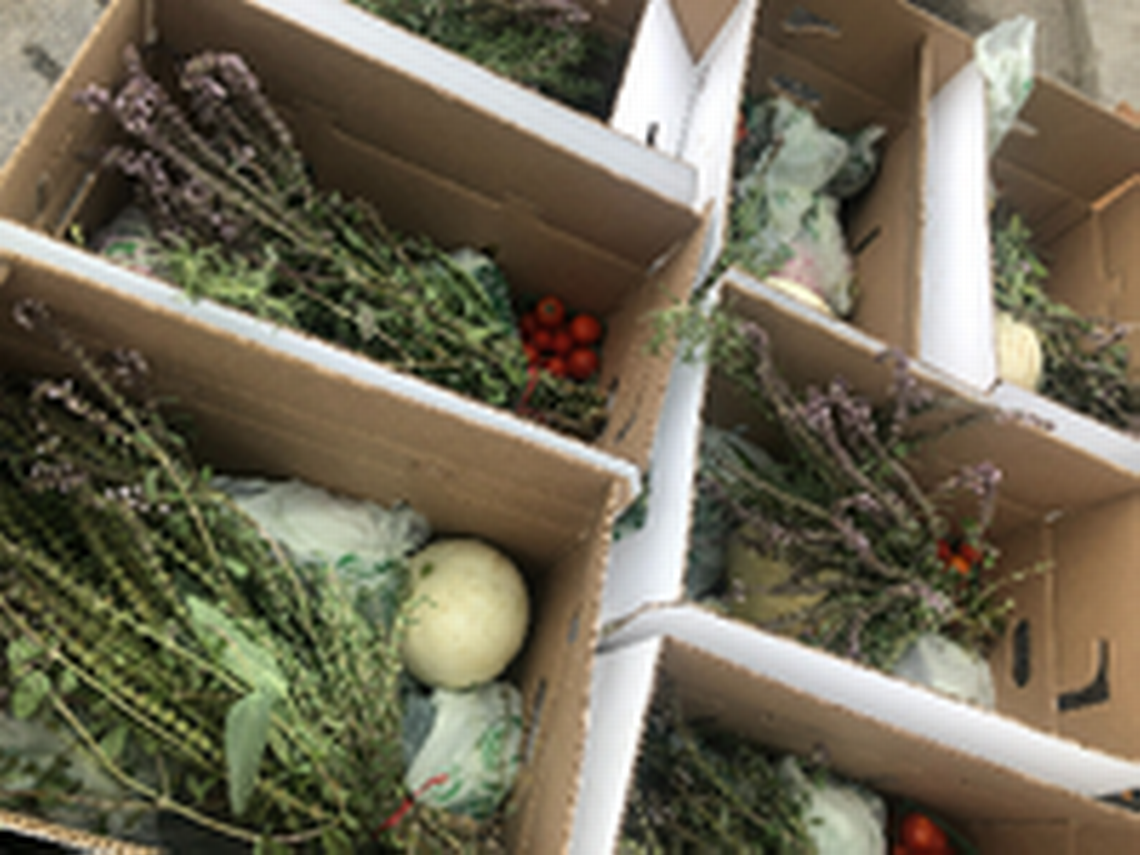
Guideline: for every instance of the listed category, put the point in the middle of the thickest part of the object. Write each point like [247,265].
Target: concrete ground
[1086,43]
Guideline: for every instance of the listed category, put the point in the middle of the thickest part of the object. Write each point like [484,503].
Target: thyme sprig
[146,617]
[1085,358]
[241,222]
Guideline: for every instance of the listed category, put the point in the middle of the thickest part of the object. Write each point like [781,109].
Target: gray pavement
[1089,44]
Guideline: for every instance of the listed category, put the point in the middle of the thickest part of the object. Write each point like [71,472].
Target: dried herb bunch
[543,44]
[149,622]
[241,222]
[876,557]
[697,790]
[1085,359]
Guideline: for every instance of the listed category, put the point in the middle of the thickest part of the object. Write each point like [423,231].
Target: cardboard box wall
[1042,479]
[431,163]
[1000,811]
[259,412]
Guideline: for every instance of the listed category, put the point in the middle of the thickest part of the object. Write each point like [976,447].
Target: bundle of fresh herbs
[1085,361]
[872,560]
[176,648]
[239,221]
[543,44]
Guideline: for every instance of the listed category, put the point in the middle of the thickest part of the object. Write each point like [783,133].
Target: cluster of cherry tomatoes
[918,834]
[563,345]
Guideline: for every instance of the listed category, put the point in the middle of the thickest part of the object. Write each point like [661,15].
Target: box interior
[1000,810]
[1067,168]
[856,67]
[534,205]
[259,413]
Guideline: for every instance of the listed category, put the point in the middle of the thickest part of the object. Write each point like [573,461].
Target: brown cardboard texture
[856,65]
[1068,168]
[1040,476]
[428,162]
[257,412]
[1084,644]
[1001,811]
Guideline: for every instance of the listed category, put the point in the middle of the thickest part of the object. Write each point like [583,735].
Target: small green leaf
[238,569]
[114,743]
[68,682]
[335,841]
[241,656]
[29,693]
[247,733]
[20,652]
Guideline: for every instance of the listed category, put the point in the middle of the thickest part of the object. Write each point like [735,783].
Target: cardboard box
[856,65]
[1068,167]
[430,162]
[670,127]
[1042,479]
[1002,812]
[260,412]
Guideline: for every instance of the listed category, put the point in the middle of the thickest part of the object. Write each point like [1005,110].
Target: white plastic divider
[968,729]
[660,90]
[17,240]
[957,291]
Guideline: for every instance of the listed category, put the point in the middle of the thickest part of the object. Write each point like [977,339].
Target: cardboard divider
[1001,811]
[430,161]
[257,412]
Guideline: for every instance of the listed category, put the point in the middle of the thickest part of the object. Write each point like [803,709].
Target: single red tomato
[532,354]
[562,343]
[528,324]
[556,365]
[921,835]
[550,312]
[586,329]
[542,340]
[582,363]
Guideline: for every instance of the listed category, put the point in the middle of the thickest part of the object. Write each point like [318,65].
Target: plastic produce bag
[842,819]
[1005,57]
[785,217]
[940,664]
[463,749]
[130,240]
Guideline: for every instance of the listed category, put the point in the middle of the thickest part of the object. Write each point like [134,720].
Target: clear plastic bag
[1004,55]
[463,749]
[841,818]
[940,664]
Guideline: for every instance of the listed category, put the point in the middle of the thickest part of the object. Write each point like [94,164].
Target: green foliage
[1085,359]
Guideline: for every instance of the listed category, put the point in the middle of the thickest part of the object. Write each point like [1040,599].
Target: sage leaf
[29,693]
[247,733]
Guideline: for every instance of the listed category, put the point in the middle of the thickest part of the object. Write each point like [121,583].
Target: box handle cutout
[535,719]
[800,92]
[1094,693]
[1021,658]
[803,22]
[572,632]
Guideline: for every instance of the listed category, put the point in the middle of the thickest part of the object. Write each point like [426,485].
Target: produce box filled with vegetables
[724,760]
[828,191]
[1064,266]
[250,597]
[860,523]
[199,158]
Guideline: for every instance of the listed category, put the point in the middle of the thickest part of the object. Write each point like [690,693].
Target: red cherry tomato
[550,312]
[562,343]
[542,340]
[586,329]
[582,363]
[922,836]
[532,354]
[528,324]
[556,365]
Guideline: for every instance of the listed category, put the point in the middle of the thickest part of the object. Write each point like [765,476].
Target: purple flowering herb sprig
[159,630]
[241,222]
[842,509]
